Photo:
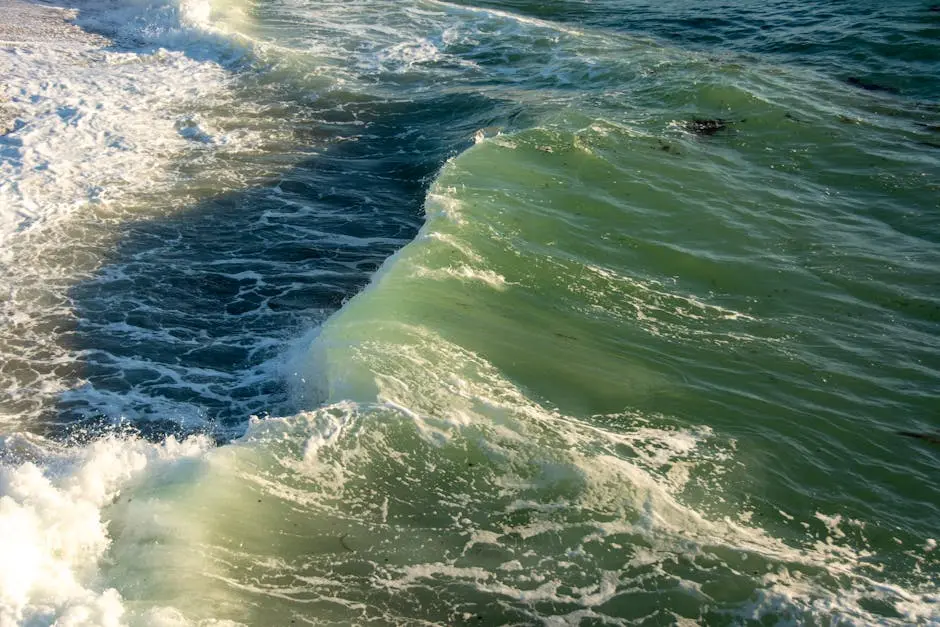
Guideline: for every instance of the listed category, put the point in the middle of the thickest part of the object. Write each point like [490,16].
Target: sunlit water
[471,313]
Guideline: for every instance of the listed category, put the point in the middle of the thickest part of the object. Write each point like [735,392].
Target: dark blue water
[576,312]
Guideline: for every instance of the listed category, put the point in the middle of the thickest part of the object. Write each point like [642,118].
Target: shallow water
[651,302]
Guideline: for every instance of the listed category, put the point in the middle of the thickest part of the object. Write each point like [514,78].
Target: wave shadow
[182,326]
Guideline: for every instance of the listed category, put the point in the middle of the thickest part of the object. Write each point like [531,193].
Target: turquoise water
[515,313]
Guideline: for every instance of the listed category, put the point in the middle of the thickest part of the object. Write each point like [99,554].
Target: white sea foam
[110,102]
[52,532]
[539,472]
[464,273]
[97,118]
[506,15]
[54,502]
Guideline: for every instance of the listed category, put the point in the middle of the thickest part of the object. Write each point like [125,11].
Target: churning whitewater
[477,312]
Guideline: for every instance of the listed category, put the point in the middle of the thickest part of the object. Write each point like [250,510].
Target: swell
[886,46]
[198,306]
[467,431]
[494,318]
[181,303]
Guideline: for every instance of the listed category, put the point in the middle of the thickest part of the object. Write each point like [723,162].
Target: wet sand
[26,24]
[32,26]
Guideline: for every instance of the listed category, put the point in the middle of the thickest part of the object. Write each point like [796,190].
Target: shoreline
[30,25]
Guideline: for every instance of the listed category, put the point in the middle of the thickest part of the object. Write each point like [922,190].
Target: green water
[627,372]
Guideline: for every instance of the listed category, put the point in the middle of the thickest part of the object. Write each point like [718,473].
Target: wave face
[469,313]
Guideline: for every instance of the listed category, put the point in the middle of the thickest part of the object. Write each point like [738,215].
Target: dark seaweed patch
[705,127]
[932,438]
[870,86]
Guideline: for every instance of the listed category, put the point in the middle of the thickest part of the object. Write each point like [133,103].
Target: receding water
[472,313]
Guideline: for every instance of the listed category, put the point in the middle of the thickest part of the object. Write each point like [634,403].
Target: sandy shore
[31,25]
[27,23]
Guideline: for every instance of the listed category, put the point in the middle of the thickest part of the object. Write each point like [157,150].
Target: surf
[420,328]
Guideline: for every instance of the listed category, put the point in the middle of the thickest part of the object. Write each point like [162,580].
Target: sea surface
[573,312]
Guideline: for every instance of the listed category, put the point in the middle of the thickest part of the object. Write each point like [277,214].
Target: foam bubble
[52,530]
[95,124]
[114,103]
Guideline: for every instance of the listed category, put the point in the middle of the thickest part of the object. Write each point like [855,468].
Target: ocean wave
[626,371]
